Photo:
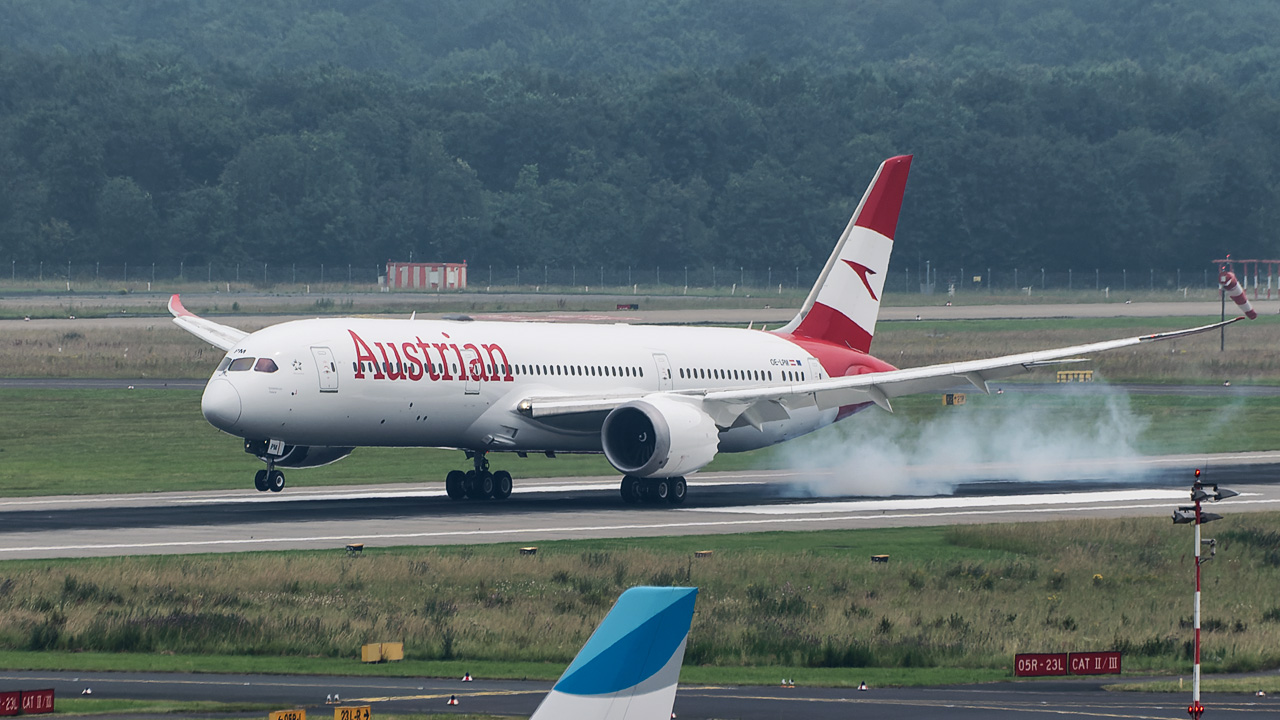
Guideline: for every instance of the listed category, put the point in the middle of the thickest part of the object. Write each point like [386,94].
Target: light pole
[1186,515]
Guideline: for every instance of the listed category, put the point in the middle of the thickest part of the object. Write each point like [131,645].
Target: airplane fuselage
[432,383]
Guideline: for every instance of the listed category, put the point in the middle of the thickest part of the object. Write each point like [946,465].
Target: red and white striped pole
[1196,709]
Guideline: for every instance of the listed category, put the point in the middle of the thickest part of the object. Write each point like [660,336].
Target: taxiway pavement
[1074,698]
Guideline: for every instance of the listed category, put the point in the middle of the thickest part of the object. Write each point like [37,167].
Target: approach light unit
[1195,516]
[1200,494]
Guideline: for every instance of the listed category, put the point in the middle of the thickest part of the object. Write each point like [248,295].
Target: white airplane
[659,402]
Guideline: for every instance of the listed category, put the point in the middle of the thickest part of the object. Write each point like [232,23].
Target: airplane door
[470,357]
[664,371]
[327,368]
[815,369]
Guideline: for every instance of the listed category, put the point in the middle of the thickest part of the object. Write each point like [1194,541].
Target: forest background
[1090,133]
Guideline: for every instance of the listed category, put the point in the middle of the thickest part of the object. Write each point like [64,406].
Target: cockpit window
[240,364]
[265,365]
[222,366]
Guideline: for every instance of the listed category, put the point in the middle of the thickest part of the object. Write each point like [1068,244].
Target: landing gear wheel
[631,490]
[661,490]
[469,484]
[484,485]
[260,480]
[501,485]
[275,480]
[453,484]
[679,488]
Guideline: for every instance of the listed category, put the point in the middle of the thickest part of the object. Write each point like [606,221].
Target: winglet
[629,668]
[211,332]
[176,309]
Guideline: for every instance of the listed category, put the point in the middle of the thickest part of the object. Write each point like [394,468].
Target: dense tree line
[1050,153]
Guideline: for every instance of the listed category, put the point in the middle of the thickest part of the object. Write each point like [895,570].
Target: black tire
[661,490]
[260,480]
[469,484]
[275,481]
[502,485]
[631,490]
[679,488]
[453,484]
[484,486]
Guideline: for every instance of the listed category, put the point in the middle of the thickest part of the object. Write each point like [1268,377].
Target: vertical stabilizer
[843,305]
[629,667]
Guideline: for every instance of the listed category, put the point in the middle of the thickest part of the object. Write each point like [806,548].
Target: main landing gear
[654,490]
[269,479]
[478,484]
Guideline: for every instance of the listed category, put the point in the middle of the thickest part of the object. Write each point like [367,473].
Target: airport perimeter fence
[710,280]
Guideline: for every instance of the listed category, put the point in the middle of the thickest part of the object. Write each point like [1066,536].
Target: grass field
[114,441]
[103,706]
[952,599]
[159,349]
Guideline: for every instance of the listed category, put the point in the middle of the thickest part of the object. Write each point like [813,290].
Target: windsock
[1227,280]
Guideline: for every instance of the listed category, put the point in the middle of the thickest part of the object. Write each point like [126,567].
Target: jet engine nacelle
[659,436]
[297,456]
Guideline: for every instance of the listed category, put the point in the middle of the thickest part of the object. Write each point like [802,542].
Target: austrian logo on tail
[841,310]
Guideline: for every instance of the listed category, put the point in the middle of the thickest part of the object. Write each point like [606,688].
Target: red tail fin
[843,305]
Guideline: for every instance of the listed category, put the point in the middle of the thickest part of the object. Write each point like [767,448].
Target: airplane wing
[757,405]
[211,332]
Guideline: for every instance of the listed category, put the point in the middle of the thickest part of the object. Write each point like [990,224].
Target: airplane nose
[220,404]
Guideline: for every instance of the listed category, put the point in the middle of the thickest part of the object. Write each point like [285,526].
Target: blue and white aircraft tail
[629,667]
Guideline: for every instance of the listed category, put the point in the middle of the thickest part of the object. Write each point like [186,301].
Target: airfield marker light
[1190,515]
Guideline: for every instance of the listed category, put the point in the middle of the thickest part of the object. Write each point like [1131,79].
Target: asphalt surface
[586,508]
[1072,698]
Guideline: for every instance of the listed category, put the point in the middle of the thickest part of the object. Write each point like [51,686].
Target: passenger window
[240,364]
[265,365]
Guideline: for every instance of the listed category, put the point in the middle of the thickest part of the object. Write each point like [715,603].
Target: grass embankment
[959,600]
[159,349]
[202,299]
[112,441]
[104,706]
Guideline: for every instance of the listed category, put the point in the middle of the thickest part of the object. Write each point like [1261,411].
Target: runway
[586,508]
[1076,698]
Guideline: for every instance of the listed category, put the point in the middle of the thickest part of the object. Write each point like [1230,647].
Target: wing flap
[221,336]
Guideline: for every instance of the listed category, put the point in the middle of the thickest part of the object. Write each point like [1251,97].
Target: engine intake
[659,436]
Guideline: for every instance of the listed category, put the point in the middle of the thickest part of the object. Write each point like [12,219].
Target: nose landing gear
[269,479]
[479,483]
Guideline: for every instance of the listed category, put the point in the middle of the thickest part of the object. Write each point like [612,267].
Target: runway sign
[35,702]
[1081,663]
[1039,664]
[1095,663]
[298,714]
[10,702]
[359,712]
